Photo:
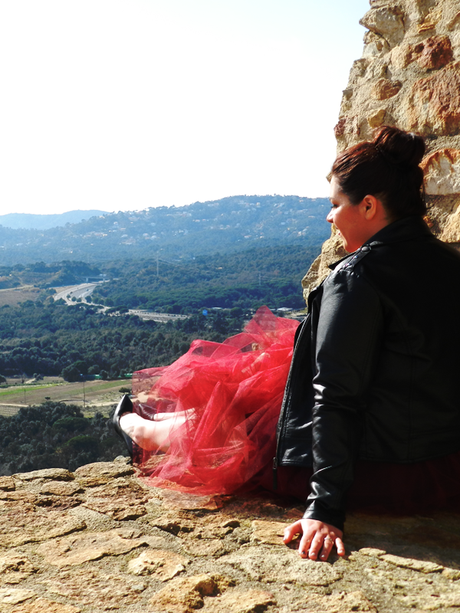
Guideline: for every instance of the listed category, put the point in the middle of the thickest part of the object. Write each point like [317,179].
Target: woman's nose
[330,217]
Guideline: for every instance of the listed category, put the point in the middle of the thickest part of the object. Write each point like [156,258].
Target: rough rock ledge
[99,540]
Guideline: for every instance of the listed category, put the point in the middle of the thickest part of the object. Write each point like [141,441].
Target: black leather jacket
[375,372]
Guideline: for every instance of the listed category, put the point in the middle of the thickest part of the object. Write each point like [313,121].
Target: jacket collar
[408,228]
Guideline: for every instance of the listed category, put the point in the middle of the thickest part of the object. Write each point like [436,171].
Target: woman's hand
[317,539]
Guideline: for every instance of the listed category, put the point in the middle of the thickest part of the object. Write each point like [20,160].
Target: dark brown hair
[387,168]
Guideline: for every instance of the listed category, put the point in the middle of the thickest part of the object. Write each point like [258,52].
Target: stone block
[15,568]
[442,172]
[347,128]
[269,532]
[431,20]
[402,55]
[94,590]
[185,595]
[43,605]
[384,89]
[376,69]
[433,104]
[11,595]
[160,564]
[264,564]
[372,552]
[358,70]
[84,547]
[343,602]
[454,22]
[122,499]
[418,565]
[240,601]
[376,118]
[46,474]
[60,488]
[436,52]
[374,45]
[24,525]
[99,473]
[387,21]
[451,230]
[7,484]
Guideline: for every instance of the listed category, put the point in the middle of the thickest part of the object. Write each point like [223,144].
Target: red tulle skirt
[227,443]
[235,388]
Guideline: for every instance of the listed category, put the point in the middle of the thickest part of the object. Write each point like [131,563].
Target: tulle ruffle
[235,388]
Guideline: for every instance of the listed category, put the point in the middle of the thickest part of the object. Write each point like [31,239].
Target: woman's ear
[371,208]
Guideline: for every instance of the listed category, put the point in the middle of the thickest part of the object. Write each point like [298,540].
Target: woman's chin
[348,248]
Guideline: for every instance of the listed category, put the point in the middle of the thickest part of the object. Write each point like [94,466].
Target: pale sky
[128,104]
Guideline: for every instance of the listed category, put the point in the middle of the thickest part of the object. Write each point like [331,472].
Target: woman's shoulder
[346,269]
[351,278]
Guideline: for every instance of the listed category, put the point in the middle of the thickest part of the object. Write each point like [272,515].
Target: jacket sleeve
[347,348]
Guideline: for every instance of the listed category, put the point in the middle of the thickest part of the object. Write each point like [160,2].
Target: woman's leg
[171,415]
[152,435]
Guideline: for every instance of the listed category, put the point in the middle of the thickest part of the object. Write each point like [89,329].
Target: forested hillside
[44,276]
[229,224]
[55,435]
[247,279]
[48,337]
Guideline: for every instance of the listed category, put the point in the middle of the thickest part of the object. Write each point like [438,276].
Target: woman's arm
[348,344]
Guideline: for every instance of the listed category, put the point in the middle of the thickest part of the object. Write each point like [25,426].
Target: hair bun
[398,147]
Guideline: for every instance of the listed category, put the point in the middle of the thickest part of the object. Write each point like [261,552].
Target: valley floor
[90,396]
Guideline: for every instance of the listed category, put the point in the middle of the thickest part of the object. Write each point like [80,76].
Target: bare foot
[151,435]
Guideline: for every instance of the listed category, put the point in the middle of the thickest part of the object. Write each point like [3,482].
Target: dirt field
[12,297]
[91,396]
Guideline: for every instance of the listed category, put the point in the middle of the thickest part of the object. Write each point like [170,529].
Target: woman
[371,405]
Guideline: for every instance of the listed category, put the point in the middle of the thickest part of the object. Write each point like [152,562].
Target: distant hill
[231,224]
[29,221]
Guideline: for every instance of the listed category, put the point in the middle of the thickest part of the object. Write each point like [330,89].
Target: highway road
[82,291]
[76,291]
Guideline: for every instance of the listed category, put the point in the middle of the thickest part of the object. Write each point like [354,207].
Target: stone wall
[409,77]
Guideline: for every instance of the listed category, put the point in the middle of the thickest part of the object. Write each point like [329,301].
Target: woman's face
[347,218]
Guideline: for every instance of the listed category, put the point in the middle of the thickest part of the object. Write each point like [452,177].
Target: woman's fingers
[294,530]
[340,546]
[291,531]
[305,545]
[328,545]
[316,546]
[321,550]
[317,539]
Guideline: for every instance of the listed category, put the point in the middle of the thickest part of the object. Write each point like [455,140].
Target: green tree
[71,374]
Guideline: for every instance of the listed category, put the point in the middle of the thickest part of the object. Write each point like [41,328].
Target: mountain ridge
[37,221]
[229,224]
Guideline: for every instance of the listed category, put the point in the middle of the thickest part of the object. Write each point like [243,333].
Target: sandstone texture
[409,77]
[100,540]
